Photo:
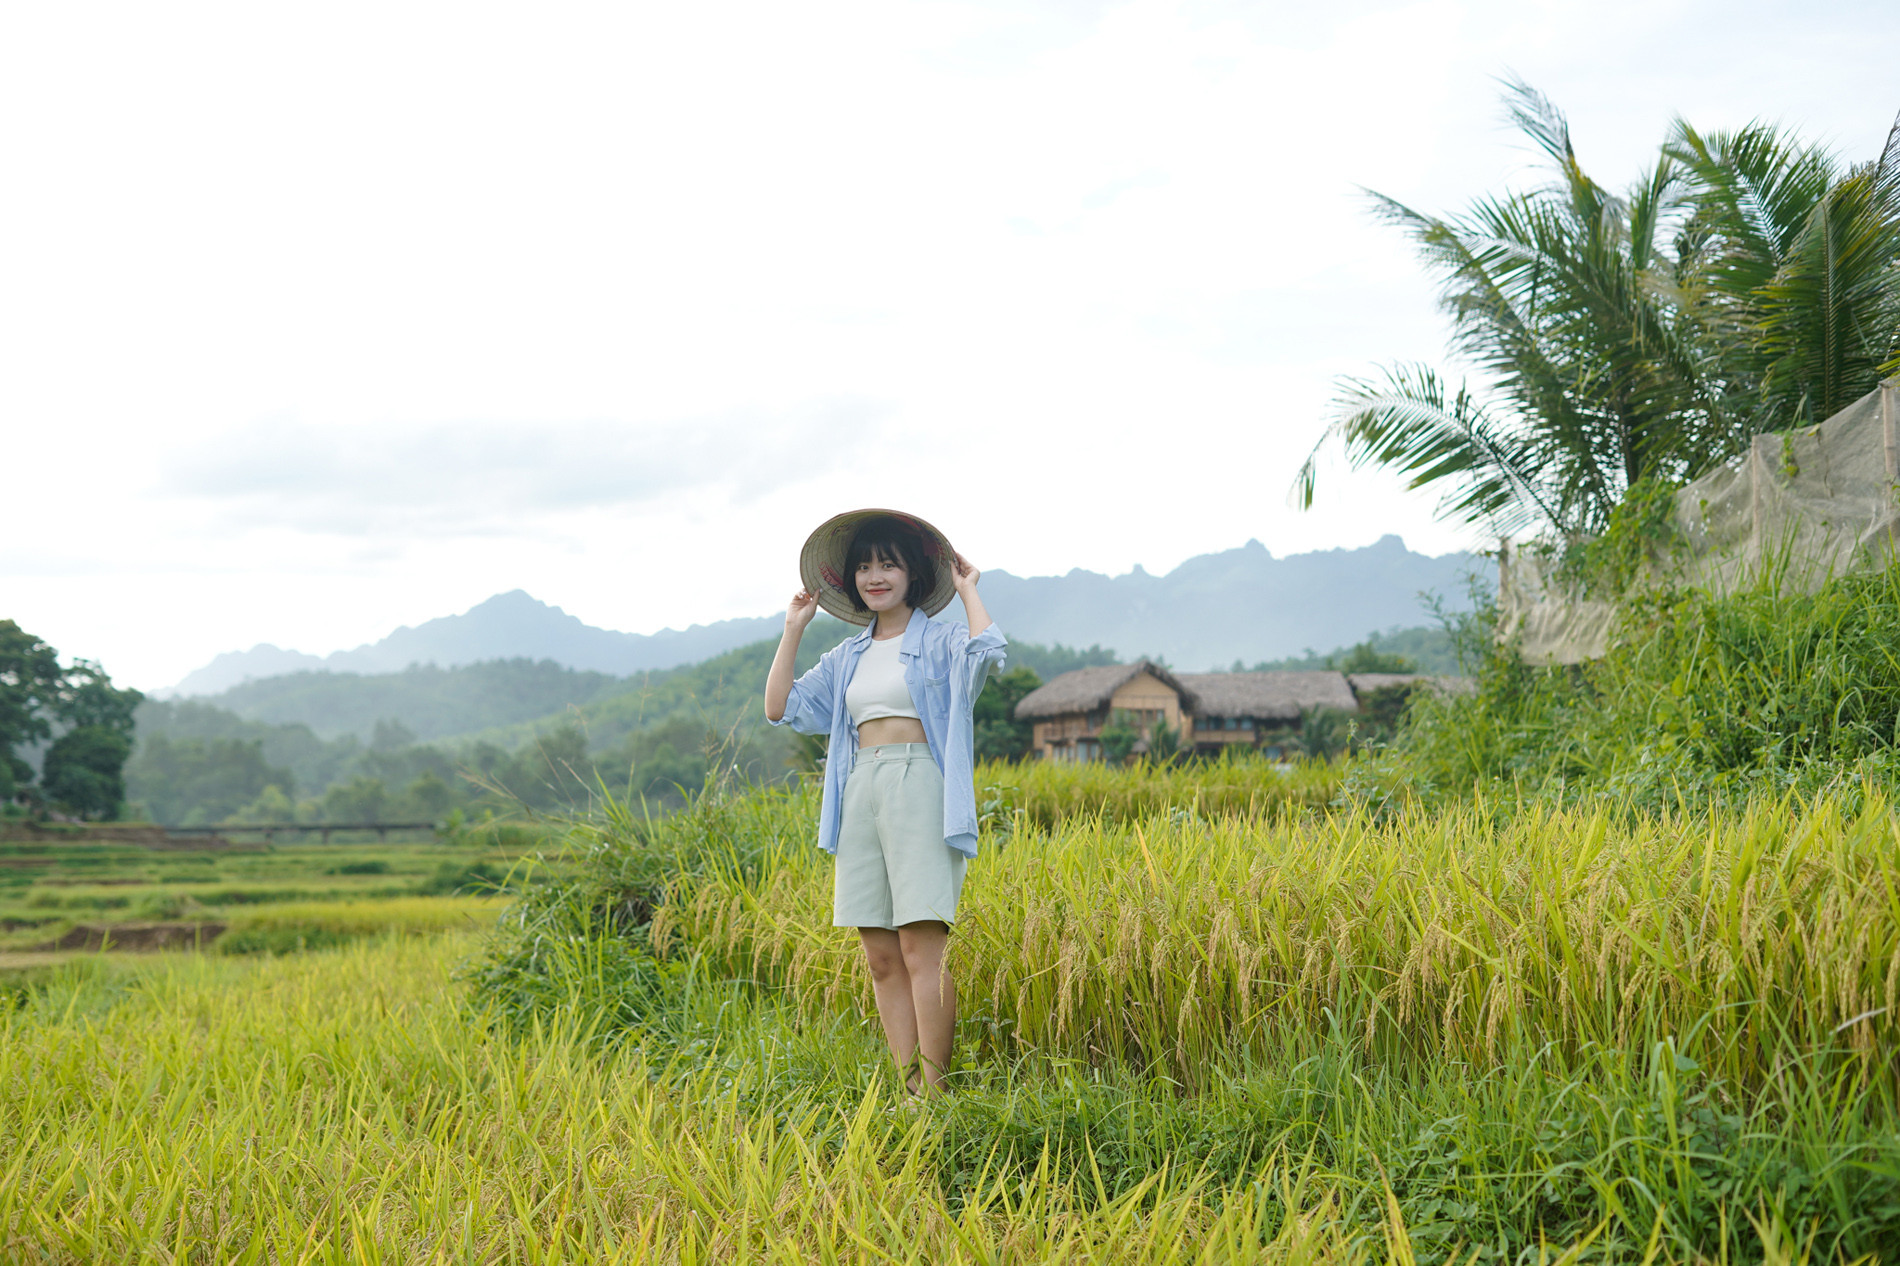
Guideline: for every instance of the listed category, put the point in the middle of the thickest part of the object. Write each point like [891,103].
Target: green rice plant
[293,927]
[1043,794]
[1467,935]
[336,1107]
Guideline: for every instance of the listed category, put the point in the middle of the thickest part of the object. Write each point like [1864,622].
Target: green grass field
[47,889]
[1205,1020]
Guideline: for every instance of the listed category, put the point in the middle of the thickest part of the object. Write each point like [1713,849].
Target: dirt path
[136,937]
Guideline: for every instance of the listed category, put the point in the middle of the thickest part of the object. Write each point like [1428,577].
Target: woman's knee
[922,945]
[885,957]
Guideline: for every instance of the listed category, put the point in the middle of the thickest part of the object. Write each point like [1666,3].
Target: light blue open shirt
[945,669]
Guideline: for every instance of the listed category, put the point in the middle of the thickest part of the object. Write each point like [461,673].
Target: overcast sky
[316,320]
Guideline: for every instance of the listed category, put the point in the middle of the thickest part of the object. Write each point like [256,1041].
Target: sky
[316,320]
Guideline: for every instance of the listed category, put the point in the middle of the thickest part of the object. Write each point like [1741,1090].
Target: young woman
[899,805]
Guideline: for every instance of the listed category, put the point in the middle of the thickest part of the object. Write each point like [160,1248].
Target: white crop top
[877,688]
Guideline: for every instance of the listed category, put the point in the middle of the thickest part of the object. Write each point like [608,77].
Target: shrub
[1702,697]
[464,877]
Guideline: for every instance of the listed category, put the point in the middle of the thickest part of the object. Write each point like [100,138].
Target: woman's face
[882,583]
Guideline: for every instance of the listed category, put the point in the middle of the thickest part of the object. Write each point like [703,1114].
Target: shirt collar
[913,639]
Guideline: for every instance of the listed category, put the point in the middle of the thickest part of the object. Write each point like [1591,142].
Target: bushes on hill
[1702,697]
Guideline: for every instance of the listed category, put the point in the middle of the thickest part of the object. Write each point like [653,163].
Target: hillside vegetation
[1703,698]
[549,739]
[426,701]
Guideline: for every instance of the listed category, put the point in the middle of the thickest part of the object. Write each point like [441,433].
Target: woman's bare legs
[933,996]
[916,999]
[890,982]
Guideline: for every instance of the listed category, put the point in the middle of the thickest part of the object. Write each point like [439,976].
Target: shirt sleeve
[808,708]
[983,654]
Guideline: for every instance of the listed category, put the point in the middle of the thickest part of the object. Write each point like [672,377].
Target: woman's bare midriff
[890,730]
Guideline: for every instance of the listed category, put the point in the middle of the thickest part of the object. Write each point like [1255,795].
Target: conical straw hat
[821,562]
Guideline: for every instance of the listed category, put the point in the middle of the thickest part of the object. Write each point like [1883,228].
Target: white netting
[1815,502]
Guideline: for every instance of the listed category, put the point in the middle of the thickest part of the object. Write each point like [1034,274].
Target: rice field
[1470,934]
[1202,1021]
[51,886]
[341,1107]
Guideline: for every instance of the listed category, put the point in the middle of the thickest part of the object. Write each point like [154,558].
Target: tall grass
[1040,794]
[337,1108]
[296,926]
[1466,935]
[1522,1022]
[1702,696]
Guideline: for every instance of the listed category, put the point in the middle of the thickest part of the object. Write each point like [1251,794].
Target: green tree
[193,781]
[88,697]
[1164,743]
[1368,658]
[1641,337]
[84,771]
[428,797]
[272,805]
[1791,270]
[999,735]
[361,799]
[85,767]
[1324,732]
[1118,738]
[30,687]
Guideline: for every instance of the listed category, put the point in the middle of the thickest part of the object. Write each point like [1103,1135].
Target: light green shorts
[893,866]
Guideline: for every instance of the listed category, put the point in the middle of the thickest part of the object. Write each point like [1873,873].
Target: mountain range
[1238,604]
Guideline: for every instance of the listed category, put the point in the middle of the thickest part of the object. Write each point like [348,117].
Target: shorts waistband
[891,752]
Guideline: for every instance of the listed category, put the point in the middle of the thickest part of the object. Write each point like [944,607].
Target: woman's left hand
[966,574]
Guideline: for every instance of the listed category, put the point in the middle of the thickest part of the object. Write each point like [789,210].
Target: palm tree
[1626,338]
[1794,272]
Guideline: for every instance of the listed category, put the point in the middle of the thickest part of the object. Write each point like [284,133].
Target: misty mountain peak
[1240,603]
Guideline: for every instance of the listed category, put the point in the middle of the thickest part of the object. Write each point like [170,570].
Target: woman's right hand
[799,614]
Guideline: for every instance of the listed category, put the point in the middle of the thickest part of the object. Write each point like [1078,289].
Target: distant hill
[509,625]
[506,700]
[1240,604]
[428,701]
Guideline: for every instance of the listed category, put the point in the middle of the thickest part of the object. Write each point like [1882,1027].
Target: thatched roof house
[1072,711]
[1364,684]
[1091,689]
[1269,696]
[1209,711]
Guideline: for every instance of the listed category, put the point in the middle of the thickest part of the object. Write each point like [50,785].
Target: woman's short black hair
[884,537]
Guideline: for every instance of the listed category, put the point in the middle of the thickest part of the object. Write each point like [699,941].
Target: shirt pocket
[936,696]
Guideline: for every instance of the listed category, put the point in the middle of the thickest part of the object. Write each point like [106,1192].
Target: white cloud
[323,320]
[491,478]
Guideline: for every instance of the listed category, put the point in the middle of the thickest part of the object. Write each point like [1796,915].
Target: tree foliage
[85,771]
[86,716]
[1745,283]
[999,735]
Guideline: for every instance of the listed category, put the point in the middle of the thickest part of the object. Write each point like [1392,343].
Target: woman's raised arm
[966,578]
[778,682]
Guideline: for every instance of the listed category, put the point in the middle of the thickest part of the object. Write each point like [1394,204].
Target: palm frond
[1409,422]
